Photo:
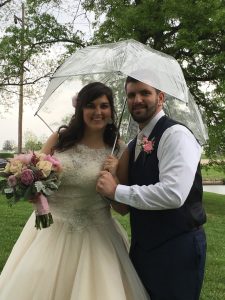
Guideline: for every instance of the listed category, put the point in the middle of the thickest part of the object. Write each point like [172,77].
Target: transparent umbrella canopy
[111,64]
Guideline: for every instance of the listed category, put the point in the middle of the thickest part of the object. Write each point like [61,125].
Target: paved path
[204,161]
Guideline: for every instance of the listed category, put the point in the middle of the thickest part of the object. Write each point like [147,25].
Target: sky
[9,121]
[9,126]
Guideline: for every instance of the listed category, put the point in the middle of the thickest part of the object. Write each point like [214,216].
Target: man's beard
[147,115]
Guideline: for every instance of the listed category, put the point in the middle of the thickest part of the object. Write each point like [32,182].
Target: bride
[83,255]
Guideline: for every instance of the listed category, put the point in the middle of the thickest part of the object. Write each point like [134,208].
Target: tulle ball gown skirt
[86,260]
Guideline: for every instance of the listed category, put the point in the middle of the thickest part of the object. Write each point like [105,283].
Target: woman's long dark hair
[74,132]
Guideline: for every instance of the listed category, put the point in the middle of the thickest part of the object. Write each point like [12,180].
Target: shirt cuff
[122,194]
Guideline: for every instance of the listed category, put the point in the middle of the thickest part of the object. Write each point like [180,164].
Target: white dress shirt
[179,154]
[146,131]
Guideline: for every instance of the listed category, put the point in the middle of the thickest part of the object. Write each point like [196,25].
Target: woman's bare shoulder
[50,143]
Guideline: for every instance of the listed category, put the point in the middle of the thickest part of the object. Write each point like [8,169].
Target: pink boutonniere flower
[147,145]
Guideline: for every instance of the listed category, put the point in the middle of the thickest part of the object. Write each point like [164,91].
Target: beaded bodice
[77,201]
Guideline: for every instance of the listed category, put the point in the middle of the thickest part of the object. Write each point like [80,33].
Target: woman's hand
[111,165]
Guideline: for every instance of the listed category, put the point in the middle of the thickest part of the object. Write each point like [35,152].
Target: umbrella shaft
[120,121]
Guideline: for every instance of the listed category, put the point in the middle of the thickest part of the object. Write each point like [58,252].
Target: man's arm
[179,154]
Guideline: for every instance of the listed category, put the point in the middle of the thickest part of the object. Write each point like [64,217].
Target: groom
[168,244]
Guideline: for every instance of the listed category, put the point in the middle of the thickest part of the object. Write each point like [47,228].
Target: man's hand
[106,185]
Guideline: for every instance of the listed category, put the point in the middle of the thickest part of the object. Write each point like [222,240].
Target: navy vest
[151,228]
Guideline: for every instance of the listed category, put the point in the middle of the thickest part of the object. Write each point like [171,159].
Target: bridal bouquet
[32,177]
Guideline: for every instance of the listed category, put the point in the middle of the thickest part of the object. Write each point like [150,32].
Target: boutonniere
[147,145]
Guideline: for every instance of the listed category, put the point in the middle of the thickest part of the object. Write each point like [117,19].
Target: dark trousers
[175,270]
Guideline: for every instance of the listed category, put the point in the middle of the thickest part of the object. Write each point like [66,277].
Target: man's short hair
[131,79]
[128,80]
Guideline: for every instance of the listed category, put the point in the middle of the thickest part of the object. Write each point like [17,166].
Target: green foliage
[6,155]
[212,173]
[33,145]
[33,4]
[14,218]
[32,142]
[191,31]
[40,32]
[12,221]
[216,145]
[8,145]
[14,194]
[213,286]
[26,50]
[2,182]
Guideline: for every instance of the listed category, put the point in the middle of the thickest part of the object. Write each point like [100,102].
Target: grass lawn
[214,282]
[211,174]
[12,220]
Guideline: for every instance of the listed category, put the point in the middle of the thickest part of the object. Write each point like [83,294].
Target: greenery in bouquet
[32,177]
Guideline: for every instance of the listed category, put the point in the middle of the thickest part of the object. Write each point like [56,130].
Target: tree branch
[25,82]
[4,3]
[58,41]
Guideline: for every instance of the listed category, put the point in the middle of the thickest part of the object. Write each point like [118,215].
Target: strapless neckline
[83,146]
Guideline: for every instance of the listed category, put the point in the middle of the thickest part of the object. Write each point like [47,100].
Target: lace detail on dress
[76,202]
[81,219]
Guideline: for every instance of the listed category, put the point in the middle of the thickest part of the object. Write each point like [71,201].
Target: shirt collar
[146,131]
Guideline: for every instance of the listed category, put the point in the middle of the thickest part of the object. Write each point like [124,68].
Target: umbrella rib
[83,74]
[36,114]
[120,121]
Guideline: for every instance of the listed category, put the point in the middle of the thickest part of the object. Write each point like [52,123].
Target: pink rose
[147,146]
[24,158]
[12,181]
[27,177]
[55,162]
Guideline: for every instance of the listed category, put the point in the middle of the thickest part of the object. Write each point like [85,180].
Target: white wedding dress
[83,255]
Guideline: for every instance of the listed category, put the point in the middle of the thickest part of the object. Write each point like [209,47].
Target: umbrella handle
[120,121]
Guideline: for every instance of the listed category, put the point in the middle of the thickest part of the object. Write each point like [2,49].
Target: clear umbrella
[111,64]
